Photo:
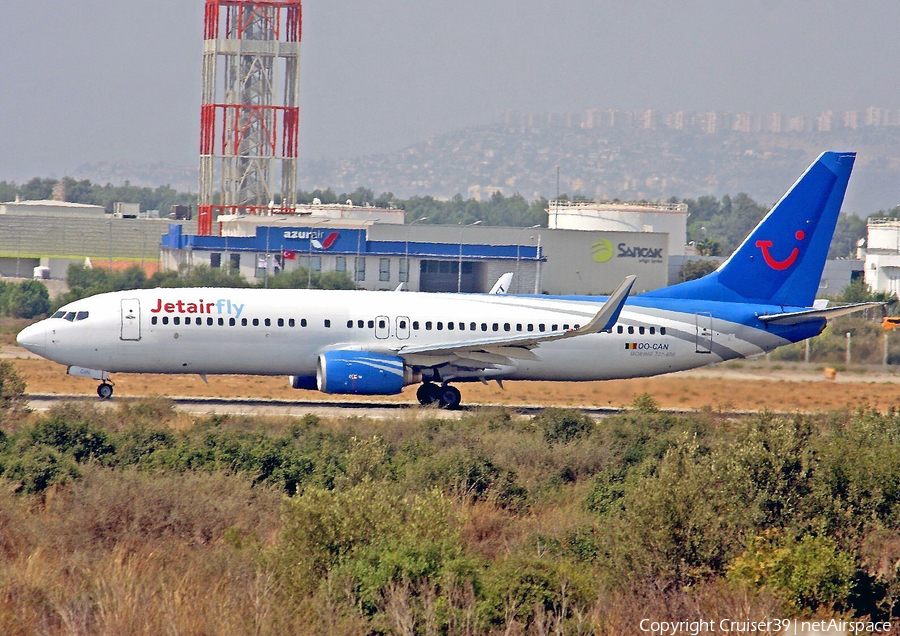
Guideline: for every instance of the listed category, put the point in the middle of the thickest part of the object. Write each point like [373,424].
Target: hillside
[607,163]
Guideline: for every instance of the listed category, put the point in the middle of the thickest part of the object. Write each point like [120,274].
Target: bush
[805,574]
[38,468]
[563,425]
[368,535]
[79,439]
[12,389]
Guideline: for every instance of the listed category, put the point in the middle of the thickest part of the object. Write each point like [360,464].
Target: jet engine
[361,373]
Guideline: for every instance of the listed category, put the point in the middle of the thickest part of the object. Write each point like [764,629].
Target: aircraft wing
[487,353]
[798,317]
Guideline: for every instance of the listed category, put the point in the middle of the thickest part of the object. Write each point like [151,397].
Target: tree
[27,299]
[692,270]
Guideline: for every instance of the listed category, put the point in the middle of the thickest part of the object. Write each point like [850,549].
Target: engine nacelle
[303,382]
[361,373]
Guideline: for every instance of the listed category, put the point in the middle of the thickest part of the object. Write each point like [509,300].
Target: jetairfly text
[219,306]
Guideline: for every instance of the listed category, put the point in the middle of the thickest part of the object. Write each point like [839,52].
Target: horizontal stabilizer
[799,317]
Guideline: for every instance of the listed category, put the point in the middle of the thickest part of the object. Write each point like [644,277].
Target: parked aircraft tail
[781,261]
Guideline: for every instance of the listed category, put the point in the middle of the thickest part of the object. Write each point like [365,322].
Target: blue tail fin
[781,262]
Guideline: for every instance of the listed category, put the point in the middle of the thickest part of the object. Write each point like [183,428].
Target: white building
[670,218]
[45,208]
[882,255]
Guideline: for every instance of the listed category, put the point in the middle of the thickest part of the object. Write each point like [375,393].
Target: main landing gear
[447,397]
[105,391]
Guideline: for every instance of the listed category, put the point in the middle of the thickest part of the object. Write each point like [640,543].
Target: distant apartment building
[824,121]
[709,122]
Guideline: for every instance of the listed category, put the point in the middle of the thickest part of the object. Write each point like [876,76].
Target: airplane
[375,343]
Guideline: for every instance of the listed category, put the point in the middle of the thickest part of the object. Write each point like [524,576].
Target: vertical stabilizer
[781,262]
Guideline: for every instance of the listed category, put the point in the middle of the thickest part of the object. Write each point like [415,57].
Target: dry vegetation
[144,520]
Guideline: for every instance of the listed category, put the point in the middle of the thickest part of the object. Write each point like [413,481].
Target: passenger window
[641,330]
[268,322]
[440,326]
[176,320]
[484,326]
[360,324]
[577,326]
[506,326]
[165,320]
[530,327]
[415,325]
[70,316]
[81,315]
[620,329]
[58,314]
[652,331]
[566,328]
[371,324]
[256,322]
[662,331]
[291,322]
[153,320]
[232,322]
[473,326]
[303,322]
[462,326]
[427,325]
[541,327]
[403,324]
[519,326]
[381,324]
[349,324]
[243,322]
[496,326]
[630,330]
[327,323]
[554,328]
[450,326]
[221,322]
[209,321]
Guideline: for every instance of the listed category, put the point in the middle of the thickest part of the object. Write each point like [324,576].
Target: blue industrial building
[395,255]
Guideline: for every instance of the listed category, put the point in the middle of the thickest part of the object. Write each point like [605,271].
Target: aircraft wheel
[450,397]
[426,394]
[105,391]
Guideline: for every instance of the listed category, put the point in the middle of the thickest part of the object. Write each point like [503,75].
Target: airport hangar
[381,255]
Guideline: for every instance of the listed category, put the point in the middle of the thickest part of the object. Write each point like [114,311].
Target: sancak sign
[602,251]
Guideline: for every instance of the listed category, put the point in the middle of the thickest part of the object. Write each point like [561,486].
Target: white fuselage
[282,332]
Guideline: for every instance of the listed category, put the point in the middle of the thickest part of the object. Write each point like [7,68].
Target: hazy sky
[88,80]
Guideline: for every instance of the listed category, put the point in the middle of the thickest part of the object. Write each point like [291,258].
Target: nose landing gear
[447,397]
[105,390]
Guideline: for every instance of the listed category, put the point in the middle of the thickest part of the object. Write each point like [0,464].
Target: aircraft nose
[33,337]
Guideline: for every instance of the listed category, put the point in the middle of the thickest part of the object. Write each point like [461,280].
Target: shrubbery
[491,523]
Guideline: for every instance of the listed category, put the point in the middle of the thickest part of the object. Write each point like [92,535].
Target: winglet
[606,318]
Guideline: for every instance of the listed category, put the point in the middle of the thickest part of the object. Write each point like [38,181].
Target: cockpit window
[58,314]
[70,316]
[81,315]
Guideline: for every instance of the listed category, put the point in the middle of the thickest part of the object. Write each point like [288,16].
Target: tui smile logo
[786,263]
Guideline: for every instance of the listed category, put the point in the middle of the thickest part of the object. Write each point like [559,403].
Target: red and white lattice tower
[250,111]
